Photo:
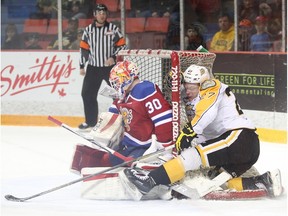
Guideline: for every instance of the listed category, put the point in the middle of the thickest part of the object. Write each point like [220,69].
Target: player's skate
[137,182]
[269,181]
[84,127]
[272,182]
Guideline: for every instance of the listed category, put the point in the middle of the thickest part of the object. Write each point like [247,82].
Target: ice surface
[36,159]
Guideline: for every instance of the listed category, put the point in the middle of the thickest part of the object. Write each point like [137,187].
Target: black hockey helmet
[100,7]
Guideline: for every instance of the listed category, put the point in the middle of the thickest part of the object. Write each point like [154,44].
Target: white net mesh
[163,67]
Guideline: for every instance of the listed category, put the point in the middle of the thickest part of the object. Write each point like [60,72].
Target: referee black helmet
[100,7]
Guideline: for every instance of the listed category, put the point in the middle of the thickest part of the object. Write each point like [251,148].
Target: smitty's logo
[46,73]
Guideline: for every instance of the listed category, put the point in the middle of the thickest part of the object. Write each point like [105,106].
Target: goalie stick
[236,195]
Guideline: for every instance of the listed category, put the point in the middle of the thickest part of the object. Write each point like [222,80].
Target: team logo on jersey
[207,84]
[127,117]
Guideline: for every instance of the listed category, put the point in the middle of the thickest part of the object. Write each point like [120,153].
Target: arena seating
[157,24]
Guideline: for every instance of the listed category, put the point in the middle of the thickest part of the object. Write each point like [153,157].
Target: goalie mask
[196,74]
[122,75]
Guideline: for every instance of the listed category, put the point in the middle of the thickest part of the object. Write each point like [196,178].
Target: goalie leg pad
[84,156]
[106,186]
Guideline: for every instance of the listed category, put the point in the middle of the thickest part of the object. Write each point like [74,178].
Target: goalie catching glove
[185,138]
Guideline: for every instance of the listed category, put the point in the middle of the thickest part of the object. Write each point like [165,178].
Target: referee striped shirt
[100,43]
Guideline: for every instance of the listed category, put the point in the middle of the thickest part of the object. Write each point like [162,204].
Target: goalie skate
[133,191]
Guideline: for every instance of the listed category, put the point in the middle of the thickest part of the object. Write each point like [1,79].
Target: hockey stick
[213,184]
[180,188]
[23,199]
[91,140]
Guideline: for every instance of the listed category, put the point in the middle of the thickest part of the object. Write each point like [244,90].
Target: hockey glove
[185,138]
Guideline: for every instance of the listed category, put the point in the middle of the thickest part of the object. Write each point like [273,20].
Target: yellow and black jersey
[217,111]
[100,43]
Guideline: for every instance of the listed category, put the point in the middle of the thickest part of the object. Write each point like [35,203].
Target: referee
[101,41]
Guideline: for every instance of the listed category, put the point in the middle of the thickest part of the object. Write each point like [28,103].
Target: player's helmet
[196,74]
[122,75]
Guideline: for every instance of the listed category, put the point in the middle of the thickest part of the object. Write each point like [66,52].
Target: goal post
[164,68]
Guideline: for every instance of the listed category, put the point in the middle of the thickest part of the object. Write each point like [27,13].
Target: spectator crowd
[209,23]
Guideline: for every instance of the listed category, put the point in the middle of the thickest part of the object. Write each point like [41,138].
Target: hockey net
[164,67]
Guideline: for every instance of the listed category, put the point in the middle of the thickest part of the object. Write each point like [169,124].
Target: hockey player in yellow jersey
[229,142]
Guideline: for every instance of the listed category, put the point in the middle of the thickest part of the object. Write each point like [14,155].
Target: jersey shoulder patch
[142,90]
[208,84]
